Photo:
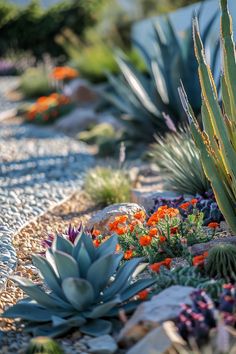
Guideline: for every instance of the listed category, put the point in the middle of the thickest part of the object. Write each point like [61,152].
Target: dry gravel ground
[28,241]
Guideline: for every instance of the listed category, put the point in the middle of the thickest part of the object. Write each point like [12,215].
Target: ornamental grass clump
[217,140]
[179,162]
[107,186]
[83,286]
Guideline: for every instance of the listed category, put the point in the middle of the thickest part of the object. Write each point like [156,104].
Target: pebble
[39,168]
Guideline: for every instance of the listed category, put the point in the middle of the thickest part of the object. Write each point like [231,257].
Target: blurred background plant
[34,82]
[142,98]
[180,164]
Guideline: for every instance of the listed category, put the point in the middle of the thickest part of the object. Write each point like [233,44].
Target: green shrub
[34,82]
[87,285]
[107,186]
[180,165]
[34,28]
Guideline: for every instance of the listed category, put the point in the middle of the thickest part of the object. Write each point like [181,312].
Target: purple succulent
[70,234]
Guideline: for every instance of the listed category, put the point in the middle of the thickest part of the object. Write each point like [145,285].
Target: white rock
[162,307]
[102,218]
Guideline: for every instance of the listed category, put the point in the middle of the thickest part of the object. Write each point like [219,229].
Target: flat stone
[162,307]
[102,345]
[200,248]
[102,218]
[77,120]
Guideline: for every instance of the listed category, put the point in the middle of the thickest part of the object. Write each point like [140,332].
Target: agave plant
[83,286]
[144,98]
[217,141]
[180,164]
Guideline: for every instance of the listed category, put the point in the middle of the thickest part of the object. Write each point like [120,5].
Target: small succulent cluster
[83,286]
[205,204]
[187,276]
[196,321]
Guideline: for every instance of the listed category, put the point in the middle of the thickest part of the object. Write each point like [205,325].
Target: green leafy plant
[144,98]
[34,82]
[82,285]
[43,345]
[187,276]
[221,261]
[106,186]
[217,141]
[180,164]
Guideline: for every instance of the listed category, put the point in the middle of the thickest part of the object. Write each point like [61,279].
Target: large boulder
[150,314]
[102,218]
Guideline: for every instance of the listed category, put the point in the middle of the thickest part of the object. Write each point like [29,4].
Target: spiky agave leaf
[144,97]
[84,285]
[217,142]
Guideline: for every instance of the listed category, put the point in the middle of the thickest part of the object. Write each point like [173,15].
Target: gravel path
[7,83]
[39,168]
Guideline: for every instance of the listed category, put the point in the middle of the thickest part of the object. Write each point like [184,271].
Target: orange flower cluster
[199,260]
[62,73]
[128,254]
[186,205]
[47,107]
[155,267]
[118,226]
[161,213]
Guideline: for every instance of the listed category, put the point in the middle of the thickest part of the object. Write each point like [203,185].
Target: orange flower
[172,212]
[121,230]
[113,225]
[185,206]
[167,262]
[162,239]
[155,267]
[199,260]
[64,73]
[140,215]
[143,295]
[153,232]
[96,243]
[213,225]
[128,254]
[118,248]
[193,201]
[96,233]
[145,240]
[121,219]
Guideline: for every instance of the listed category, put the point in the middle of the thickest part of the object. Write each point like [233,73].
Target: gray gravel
[38,169]
[7,83]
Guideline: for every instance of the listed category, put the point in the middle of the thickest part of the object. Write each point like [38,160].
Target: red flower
[199,260]
[162,239]
[155,267]
[173,230]
[143,295]
[140,215]
[96,243]
[194,201]
[96,233]
[213,225]
[153,232]
[185,206]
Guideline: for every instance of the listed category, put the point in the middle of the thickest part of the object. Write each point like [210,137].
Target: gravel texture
[76,209]
[39,168]
[7,83]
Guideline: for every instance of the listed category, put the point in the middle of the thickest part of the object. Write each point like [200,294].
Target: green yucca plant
[83,286]
[144,97]
[221,262]
[43,345]
[179,161]
[217,141]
